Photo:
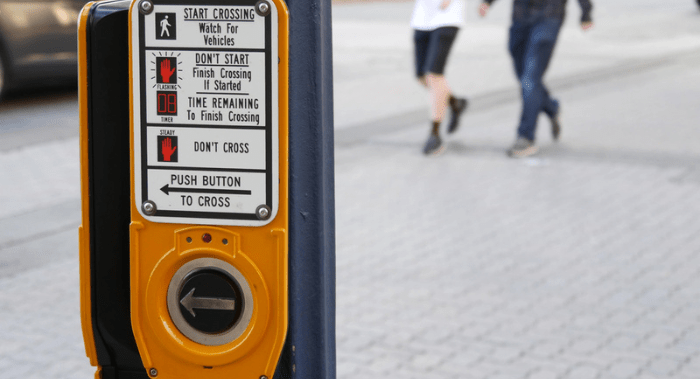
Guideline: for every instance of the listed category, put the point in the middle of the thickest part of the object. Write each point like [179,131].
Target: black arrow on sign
[190,303]
[167,189]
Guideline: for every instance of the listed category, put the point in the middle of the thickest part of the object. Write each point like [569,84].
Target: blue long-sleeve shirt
[551,8]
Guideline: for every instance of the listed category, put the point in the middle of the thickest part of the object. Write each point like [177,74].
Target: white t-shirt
[427,14]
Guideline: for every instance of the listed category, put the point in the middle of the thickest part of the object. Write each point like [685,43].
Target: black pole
[309,351]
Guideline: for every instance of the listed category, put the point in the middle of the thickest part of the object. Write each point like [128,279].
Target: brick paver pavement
[479,266]
[580,263]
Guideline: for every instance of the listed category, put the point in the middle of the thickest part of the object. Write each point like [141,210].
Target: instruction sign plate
[205,111]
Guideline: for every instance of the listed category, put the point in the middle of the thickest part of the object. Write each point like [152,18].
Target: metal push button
[210,301]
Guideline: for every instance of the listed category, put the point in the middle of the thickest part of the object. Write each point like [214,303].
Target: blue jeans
[531,45]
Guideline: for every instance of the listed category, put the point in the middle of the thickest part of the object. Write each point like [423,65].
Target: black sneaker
[556,125]
[433,146]
[522,148]
[457,110]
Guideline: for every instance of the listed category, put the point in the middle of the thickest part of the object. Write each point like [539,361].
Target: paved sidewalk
[476,266]
[580,263]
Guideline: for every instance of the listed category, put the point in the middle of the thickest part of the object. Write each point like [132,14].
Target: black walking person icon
[166,26]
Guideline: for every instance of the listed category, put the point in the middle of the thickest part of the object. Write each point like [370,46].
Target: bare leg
[439,95]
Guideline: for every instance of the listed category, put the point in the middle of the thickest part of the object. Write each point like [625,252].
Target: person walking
[164,25]
[435,24]
[533,35]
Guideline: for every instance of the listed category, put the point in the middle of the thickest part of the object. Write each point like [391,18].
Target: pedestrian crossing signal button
[210,301]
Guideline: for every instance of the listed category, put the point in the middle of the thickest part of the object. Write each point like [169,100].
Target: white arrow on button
[190,303]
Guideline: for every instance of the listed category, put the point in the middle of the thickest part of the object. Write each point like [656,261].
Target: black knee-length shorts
[432,49]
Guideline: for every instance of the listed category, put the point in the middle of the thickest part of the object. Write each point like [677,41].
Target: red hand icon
[165,71]
[167,149]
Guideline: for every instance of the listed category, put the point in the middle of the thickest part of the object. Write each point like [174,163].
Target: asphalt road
[36,117]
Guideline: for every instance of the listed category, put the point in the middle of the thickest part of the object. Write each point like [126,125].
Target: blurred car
[38,43]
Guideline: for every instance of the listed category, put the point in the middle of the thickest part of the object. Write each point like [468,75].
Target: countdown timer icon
[167,103]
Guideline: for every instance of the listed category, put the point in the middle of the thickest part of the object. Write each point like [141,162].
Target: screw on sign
[146,7]
[149,208]
[262,8]
[263,212]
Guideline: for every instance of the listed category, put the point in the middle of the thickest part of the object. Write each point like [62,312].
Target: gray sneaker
[522,148]
[456,111]
[433,146]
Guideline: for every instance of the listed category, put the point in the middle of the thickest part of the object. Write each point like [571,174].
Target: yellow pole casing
[161,251]
[84,229]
